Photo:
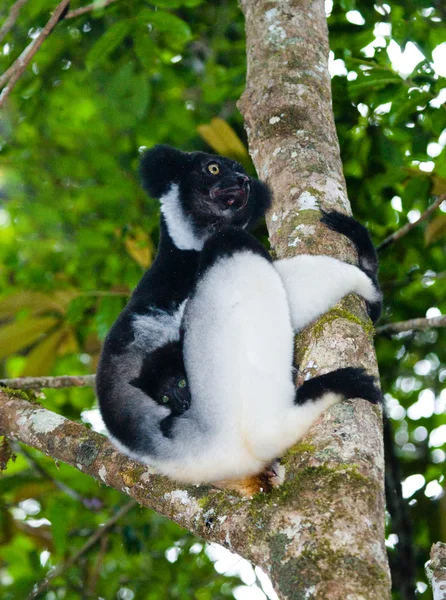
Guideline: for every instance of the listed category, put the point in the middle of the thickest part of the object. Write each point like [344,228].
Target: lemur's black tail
[367,255]
[358,235]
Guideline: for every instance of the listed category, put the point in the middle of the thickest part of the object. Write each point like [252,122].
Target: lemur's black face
[216,188]
[212,190]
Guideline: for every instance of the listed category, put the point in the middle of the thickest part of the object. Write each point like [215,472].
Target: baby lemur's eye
[165,399]
[214,169]
[182,383]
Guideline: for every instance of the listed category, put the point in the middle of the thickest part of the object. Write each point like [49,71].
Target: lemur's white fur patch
[157,328]
[178,222]
[314,284]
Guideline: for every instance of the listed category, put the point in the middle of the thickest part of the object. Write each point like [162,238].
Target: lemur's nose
[241,178]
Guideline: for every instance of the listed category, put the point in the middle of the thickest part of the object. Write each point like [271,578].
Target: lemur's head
[201,192]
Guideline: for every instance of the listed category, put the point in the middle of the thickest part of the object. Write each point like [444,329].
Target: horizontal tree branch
[405,230]
[11,18]
[19,66]
[92,540]
[256,529]
[94,455]
[412,324]
[39,383]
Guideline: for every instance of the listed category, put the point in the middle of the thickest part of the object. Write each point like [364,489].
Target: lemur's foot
[272,476]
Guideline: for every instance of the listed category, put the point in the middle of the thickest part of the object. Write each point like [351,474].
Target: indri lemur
[196,375]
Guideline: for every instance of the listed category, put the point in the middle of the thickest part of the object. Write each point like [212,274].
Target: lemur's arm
[314,284]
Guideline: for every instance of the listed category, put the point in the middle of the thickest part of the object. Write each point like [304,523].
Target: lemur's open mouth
[236,196]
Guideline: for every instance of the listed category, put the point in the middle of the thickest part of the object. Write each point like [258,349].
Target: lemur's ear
[262,198]
[160,167]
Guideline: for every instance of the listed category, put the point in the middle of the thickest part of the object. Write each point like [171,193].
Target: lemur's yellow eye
[214,169]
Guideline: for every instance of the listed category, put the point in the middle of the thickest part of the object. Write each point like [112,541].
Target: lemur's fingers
[357,234]
[347,383]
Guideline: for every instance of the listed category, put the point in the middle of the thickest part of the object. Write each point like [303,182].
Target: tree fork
[328,541]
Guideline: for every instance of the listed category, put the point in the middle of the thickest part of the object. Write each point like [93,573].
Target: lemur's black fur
[144,392]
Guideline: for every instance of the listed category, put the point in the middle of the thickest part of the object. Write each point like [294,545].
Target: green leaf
[179,32]
[145,49]
[108,311]
[107,43]
[35,302]
[17,336]
[373,80]
[42,356]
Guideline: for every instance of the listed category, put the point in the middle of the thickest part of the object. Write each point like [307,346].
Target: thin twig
[11,18]
[30,50]
[19,66]
[90,7]
[38,383]
[92,540]
[411,324]
[404,230]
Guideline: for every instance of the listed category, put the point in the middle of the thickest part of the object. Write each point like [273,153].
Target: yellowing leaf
[41,358]
[435,230]
[439,186]
[69,343]
[17,336]
[140,247]
[222,138]
[34,301]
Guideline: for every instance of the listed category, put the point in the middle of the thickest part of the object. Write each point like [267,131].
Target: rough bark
[328,540]
[436,570]
[321,534]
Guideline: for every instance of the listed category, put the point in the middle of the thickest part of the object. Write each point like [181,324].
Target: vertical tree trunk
[328,539]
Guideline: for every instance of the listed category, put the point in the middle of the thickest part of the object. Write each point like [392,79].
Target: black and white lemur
[196,375]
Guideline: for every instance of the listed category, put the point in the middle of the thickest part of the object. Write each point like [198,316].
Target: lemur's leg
[314,284]
[317,394]
[238,350]
[238,353]
[367,256]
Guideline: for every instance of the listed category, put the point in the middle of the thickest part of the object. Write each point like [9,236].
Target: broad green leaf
[107,43]
[178,31]
[107,313]
[373,80]
[35,302]
[41,358]
[17,336]
[145,49]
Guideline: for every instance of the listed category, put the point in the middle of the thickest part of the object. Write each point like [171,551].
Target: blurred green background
[77,232]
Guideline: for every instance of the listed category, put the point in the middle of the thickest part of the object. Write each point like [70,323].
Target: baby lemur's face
[210,190]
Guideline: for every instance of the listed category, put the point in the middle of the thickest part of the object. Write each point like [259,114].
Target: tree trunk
[321,534]
[330,534]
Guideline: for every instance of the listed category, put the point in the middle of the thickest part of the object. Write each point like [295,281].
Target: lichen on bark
[327,535]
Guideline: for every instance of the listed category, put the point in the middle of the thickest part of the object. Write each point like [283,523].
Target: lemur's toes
[347,383]
[272,476]
[336,221]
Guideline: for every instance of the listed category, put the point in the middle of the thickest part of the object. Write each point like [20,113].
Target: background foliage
[76,232]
